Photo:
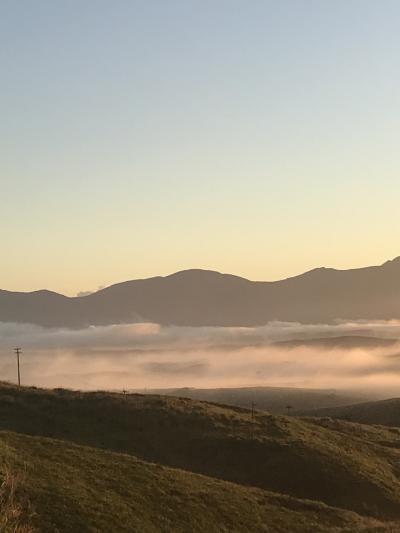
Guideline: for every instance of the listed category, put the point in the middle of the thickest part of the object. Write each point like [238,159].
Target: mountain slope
[206,298]
[272,399]
[71,488]
[287,455]
[383,412]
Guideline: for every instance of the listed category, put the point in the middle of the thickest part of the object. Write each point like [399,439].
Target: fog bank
[143,356]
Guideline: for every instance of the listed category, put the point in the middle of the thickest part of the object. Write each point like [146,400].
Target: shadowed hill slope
[71,488]
[287,455]
[383,412]
[272,399]
[207,298]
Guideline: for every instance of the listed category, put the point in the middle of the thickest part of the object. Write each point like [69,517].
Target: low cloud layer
[143,356]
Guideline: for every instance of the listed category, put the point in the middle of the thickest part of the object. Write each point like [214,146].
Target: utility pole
[252,420]
[18,351]
[252,411]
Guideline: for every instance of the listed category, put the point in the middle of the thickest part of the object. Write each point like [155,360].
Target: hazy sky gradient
[143,137]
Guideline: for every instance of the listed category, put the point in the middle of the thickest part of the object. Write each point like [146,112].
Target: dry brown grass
[15,509]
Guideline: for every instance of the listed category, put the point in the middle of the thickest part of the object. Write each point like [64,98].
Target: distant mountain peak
[194,272]
[395,261]
[204,274]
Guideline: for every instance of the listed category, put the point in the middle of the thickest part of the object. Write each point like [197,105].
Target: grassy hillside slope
[272,399]
[383,412]
[71,488]
[287,455]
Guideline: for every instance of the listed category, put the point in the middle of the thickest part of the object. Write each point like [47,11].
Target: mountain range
[207,298]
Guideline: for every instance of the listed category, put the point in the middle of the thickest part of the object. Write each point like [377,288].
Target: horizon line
[81,294]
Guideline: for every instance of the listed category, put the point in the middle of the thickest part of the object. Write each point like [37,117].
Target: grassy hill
[383,412]
[272,399]
[284,454]
[72,488]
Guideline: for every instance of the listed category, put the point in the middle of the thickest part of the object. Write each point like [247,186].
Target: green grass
[80,489]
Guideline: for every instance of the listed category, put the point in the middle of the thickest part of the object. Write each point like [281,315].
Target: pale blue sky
[140,138]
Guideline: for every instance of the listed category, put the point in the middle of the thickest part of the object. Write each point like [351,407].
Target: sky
[139,138]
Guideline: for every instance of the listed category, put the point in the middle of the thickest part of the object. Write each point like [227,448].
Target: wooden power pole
[252,420]
[18,351]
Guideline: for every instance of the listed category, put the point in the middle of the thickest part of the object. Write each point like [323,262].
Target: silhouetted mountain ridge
[208,298]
